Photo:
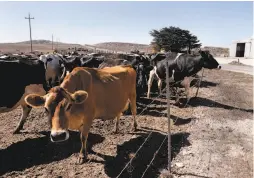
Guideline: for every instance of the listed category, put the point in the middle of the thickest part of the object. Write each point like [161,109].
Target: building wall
[247,50]
[252,49]
[232,50]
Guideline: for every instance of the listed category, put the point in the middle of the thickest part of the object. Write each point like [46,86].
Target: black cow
[18,79]
[91,61]
[70,62]
[141,65]
[181,68]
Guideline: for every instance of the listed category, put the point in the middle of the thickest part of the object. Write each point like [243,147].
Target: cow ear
[35,100]
[79,96]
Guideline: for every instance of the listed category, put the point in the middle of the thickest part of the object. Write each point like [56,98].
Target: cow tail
[63,75]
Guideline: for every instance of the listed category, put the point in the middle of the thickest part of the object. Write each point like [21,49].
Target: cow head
[71,63]
[58,104]
[208,60]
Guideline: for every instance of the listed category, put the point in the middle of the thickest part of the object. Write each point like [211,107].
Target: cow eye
[68,107]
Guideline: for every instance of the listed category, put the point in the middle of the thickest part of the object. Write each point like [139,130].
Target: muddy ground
[212,137]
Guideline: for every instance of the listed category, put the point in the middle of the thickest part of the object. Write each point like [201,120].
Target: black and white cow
[55,69]
[70,62]
[18,79]
[92,61]
[181,68]
[141,65]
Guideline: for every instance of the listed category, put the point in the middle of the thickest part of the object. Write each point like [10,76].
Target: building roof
[249,40]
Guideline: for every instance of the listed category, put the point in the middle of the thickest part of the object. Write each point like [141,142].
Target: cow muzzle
[59,136]
[219,67]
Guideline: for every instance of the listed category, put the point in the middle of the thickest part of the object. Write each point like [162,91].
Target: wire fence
[128,166]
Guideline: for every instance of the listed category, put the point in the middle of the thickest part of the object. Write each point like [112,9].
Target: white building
[242,48]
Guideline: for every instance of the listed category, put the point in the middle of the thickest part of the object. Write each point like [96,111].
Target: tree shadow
[36,151]
[198,101]
[114,165]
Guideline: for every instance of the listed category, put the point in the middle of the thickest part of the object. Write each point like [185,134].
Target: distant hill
[43,42]
[124,47]
[217,51]
[38,45]
[46,46]
[127,47]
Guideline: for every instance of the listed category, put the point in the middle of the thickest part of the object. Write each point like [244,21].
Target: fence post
[169,125]
[199,82]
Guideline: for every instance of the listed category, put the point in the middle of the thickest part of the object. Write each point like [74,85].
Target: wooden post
[30,29]
[169,123]
[200,81]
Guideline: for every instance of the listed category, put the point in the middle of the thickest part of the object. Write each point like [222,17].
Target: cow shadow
[203,84]
[198,101]
[207,84]
[147,106]
[115,164]
[36,151]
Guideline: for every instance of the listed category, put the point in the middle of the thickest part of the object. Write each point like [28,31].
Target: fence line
[154,155]
[149,135]
[134,156]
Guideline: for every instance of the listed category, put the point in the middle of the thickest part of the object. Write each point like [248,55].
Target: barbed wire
[149,135]
[154,155]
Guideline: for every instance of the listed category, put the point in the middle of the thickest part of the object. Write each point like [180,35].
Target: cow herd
[75,89]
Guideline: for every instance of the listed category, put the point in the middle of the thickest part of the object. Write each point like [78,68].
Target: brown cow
[87,94]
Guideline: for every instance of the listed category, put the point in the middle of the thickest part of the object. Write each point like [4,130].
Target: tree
[174,39]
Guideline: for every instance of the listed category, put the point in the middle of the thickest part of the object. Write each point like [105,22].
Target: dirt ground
[212,137]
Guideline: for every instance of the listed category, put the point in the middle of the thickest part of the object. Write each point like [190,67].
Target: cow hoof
[81,159]
[116,132]
[134,129]
[177,104]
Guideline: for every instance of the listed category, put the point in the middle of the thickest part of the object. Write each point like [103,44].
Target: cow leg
[25,112]
[177,101]
[117,123]
[133,106]
[186,84]
[159,85]
[150,82]
[50,82]
[83,137]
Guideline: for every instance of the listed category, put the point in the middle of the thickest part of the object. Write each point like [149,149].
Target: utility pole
[52,42]
[29,19]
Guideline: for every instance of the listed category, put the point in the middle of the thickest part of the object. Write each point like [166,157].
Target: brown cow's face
[57,103]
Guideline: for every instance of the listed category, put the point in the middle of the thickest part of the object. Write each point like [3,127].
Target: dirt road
[238,68]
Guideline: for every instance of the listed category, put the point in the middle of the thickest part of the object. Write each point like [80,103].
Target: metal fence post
[169,125]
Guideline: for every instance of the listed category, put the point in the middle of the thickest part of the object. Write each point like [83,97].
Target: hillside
[217,51]
[124,47]
[127,47]
[38,45]
[46,46]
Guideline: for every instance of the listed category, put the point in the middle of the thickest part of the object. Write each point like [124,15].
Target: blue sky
[215,23]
